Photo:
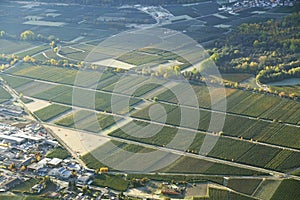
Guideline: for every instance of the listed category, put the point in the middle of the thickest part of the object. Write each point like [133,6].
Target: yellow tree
[27,35]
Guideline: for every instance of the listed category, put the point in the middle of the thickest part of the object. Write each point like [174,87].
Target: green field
[236,77]
[267,188]
[244,103]
[228,149]
[14,81]
[26,186]
[49,112]
[190,165]
[4,95]
[76,52]
[163,137]
[33,51]
[58,152]
[288,189]
[14,46]
[290,163]
[150,55]
[288,89]
[255,129]
[88,120]
[216,194]
[94,162]
[115,182]
[246,186]
[259,155]
[91,162]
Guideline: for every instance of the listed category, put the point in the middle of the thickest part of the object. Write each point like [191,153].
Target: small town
[236,6]
[28,156]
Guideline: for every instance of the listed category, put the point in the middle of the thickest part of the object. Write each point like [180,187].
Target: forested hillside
[269,49]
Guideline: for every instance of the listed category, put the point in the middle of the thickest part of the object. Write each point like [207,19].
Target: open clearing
[37,104]
[114,63]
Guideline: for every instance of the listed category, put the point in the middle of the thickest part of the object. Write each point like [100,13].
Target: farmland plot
[4,95]
[192,165]
[14,46]
[246,186]
[88,120]
[259,155]
[51,111]
[291,162]
[33,51]
[60,75]
[288,189]
[15,82]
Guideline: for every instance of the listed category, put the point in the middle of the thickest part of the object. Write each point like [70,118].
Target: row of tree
[272,74]
[29,35]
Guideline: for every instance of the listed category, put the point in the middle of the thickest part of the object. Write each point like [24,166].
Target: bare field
[114,63]
[37,105]
[79,141]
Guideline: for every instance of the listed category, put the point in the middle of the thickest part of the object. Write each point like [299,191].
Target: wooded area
[268,49]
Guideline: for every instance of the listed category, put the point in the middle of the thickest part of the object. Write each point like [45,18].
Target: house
[38,166]
[27,137]
[73,166]
[83,179]
[61,172]
[27,161]
[11,139]
[168,191]
[54,162]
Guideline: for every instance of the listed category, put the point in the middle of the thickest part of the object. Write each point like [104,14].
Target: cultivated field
[4,95]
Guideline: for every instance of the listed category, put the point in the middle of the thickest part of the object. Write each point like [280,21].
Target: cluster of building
[19,148]
[23,156]
[239,5]
[172,189]
[159,13]
[10,111]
